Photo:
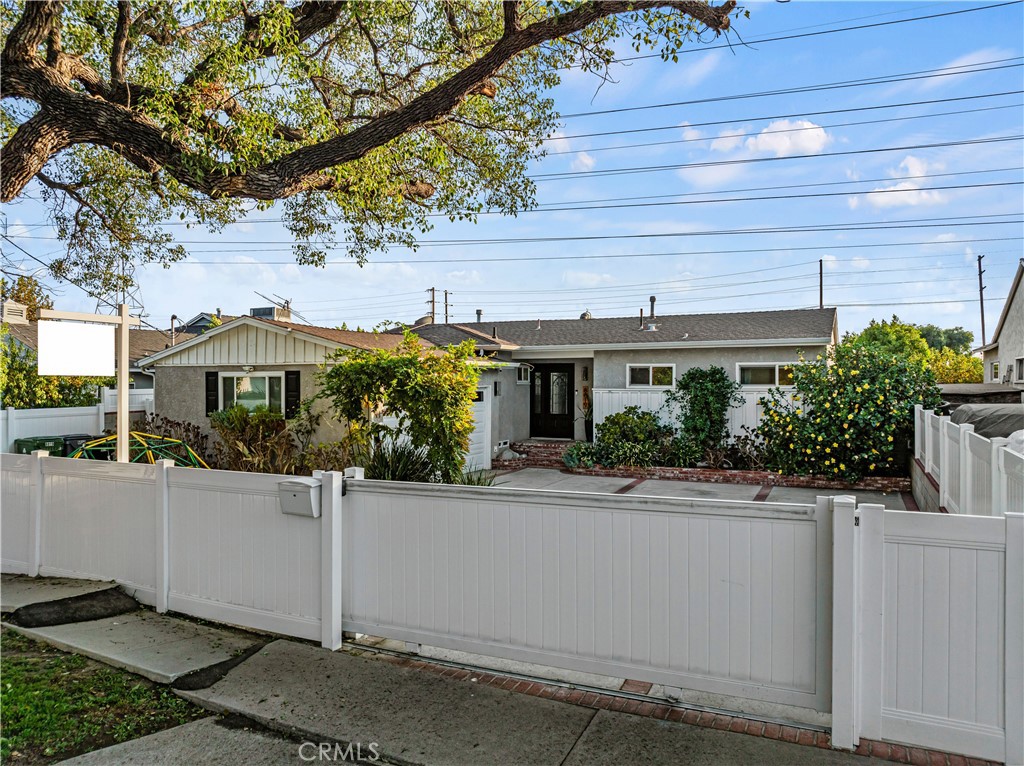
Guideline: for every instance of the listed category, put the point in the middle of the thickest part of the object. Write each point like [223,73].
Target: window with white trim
[650,375]
[252,391]
[765,374]
[1018,365]
[995,371]
[522,375]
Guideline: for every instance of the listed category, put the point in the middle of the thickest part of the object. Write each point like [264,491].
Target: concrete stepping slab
[613,739]
[695,489]
[414,716]
[553,479]
[17,591]
[210,741]
[891,500]
[156,646]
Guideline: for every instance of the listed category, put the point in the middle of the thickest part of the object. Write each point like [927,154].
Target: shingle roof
[353,338]
[796,324]
[453,334]
[141,343]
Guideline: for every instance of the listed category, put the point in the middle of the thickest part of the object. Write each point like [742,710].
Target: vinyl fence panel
[725,598]
[16,540]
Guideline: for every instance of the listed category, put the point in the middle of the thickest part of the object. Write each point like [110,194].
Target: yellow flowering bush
[852,415]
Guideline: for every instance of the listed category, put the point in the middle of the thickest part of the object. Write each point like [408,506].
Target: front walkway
[553,479]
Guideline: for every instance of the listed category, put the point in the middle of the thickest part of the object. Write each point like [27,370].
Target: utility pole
[981,299]
[821,283]
[433,304]
[446,307]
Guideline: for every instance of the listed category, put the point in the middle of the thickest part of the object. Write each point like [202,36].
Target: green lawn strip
[57,705]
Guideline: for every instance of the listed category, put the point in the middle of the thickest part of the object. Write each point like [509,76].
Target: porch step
[538,454]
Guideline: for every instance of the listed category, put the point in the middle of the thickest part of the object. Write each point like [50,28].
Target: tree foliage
[951,366]
[429,392]
[893,338]
[850,416]
[23,388]
[956,338]
[364,117]
[27,291]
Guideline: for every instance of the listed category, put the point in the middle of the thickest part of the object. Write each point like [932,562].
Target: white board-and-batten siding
[249,345]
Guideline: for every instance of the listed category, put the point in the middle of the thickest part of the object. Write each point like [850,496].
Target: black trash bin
[74,441]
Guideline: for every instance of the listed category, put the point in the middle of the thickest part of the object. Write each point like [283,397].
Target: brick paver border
[667,712]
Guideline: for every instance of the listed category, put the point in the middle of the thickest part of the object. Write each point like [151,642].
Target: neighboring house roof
[325,336]
[769,327]
[453,334]
[141,343]
[1014,286]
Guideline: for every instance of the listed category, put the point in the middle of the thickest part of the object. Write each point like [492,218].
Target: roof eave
[822,341]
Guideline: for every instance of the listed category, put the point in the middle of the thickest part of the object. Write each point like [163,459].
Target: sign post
[122,325]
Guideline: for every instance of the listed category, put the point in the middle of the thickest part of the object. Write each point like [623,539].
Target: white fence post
[918,418]
[331,486]
[963,457]
[1000,491]
[163,534]
[944,460]
[35,550]
[871,602]
[12,429]
[101,418]
[844,623]
[1013,664]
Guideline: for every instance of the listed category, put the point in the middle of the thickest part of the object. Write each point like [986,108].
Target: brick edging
[707,719]
[721,476]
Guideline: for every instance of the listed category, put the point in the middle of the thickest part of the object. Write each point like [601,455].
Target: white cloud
[727,140]
[860,262]
[784,138]
[583,161]
[905,193]
[557,142]
[853,202]
[693,73]
[464,277]
[709,177]
[967,60]
[587,279]
[290,273]
[830,262]
[690,134]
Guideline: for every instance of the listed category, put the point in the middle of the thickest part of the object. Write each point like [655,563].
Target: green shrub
[474,478]
[851,415]
[254,440]
[632,437]
[747,451]
[701,401]
[398,460]
[580,455]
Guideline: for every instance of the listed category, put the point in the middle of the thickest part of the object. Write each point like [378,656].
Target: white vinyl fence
[139,399]
[53,421]
[975,475]
[906,627]
[608,401]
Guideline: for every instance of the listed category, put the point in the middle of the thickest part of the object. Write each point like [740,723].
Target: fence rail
[904,626]
[975,475]
[53,421]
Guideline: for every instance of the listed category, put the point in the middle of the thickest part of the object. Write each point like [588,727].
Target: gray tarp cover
[991,420]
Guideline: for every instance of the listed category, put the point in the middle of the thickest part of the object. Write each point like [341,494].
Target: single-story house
[553,375]
[251,361]
[1003,356]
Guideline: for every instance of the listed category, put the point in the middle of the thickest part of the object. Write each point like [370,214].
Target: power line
[677,126]
[812,126]
[615,256]
[922,74]
[818,34]
[749,160]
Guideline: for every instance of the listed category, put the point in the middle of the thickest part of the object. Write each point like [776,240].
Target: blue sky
[918,259]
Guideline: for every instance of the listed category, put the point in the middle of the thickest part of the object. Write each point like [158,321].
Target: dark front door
[551,400]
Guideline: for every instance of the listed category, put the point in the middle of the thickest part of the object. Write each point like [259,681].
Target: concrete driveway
[553,479]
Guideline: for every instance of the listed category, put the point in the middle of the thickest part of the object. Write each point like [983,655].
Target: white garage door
[479,454]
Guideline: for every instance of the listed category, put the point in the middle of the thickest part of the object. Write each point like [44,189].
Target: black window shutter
[212,394]
[291,393]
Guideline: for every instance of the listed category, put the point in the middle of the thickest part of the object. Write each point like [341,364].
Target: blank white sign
[76,348]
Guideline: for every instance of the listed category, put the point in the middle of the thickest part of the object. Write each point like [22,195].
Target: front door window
[559,404]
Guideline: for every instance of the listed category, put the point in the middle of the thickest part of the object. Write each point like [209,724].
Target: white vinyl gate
[479,454]
[728,598]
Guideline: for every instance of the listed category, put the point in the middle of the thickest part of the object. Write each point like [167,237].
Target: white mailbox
[300,496]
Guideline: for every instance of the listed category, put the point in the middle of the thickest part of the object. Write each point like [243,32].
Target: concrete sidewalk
[285,693]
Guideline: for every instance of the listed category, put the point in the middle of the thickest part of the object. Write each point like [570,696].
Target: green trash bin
[53,444]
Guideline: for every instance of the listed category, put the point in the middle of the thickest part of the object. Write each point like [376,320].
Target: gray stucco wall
[1011,338]
[180,394]
[610,366]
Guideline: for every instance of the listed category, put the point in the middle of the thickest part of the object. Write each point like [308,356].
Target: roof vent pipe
[494,332]
[653,299]
[479,315]
[641,319]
